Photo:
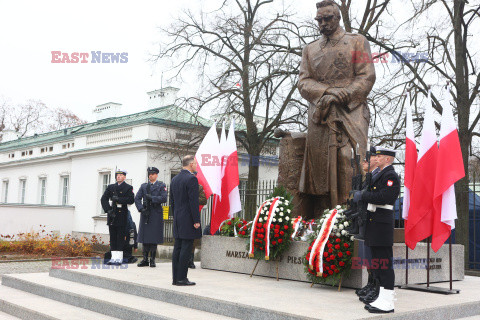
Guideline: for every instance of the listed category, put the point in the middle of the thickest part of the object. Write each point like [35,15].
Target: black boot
[368,287]
[153,253]
[191,265]
[371,295]
[144,262]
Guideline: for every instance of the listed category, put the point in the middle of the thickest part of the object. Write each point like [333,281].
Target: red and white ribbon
[273,207]
[254,228]
[321,241]
[296,225]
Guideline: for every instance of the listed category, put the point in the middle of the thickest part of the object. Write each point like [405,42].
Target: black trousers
[117,237]
[382,264]
[181,255]
[149,247]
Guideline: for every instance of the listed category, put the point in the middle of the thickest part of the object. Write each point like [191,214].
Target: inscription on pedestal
[230,254]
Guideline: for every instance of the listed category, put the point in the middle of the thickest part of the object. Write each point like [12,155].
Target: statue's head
[328,17]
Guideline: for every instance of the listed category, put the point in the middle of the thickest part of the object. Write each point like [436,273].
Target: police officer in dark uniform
[148,201]
[186,219]
[385,188]
[120,194]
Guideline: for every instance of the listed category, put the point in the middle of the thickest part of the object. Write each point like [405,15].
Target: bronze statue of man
[336,85]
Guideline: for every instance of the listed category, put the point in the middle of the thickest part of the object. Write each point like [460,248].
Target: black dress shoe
[185,282]
[369,298]
[152,263]
[371,309]
[143,263]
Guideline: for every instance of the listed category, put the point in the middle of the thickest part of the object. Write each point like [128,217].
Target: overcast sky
[30,30]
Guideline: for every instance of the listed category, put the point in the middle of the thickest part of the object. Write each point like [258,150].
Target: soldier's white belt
[119,205]
[373,207]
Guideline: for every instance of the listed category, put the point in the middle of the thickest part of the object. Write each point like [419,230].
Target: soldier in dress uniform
[385,188]
[148,201]
[121,195]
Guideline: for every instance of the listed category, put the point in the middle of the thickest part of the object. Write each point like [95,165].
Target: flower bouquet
[329,256]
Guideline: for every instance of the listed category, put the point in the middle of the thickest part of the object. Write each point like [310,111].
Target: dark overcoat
[125,195]
[185,206]
[385,188]
[153,231]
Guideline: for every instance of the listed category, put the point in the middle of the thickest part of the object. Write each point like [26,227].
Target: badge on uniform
[389,183]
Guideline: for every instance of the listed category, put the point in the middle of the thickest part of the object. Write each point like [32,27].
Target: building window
[104,182]
[65,187]
[23,186]
[5,191]
[43,190]
[50,148]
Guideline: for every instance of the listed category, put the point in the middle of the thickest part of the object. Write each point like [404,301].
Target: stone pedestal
[230,254]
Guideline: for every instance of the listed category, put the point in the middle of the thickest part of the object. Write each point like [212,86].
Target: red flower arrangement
[271,229]
[336,258]
[234,227]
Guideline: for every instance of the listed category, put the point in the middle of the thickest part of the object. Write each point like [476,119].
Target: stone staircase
[51,296]
[146,293]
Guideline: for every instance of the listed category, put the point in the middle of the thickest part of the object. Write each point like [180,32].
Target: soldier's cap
[121,172]
[151,170]
[385,151]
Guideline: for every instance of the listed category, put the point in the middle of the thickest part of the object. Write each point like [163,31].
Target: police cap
[152,170]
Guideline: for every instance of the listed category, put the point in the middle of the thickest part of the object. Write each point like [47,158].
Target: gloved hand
[357,196]
[115,198]
[148,196]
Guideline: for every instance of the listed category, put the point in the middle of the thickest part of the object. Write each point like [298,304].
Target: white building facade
[56,179]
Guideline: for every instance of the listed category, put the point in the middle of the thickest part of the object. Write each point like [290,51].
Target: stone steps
[184,299]
[6,316]
[99,300]
[25,305]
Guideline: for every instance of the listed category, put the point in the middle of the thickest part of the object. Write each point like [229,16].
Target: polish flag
[421,211]
[228,202]
[410,161]
[208,163]
[450,169]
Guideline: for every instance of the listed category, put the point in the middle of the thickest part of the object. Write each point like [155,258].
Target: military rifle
[112,213]
[147,201]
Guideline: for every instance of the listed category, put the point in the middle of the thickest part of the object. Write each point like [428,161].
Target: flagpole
[450,262]
[406,264]
[428,262]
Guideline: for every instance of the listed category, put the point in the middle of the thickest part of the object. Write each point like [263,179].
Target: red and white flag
[228,201]
[449,170]
[410,160]
[208,163]
[421,211]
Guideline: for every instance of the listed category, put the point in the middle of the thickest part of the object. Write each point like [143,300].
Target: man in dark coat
[121,195]
[385,188]
[186,219]
[148,201]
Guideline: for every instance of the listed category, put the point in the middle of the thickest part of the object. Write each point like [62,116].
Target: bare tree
[249,59]
[35,117]
[63,118]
